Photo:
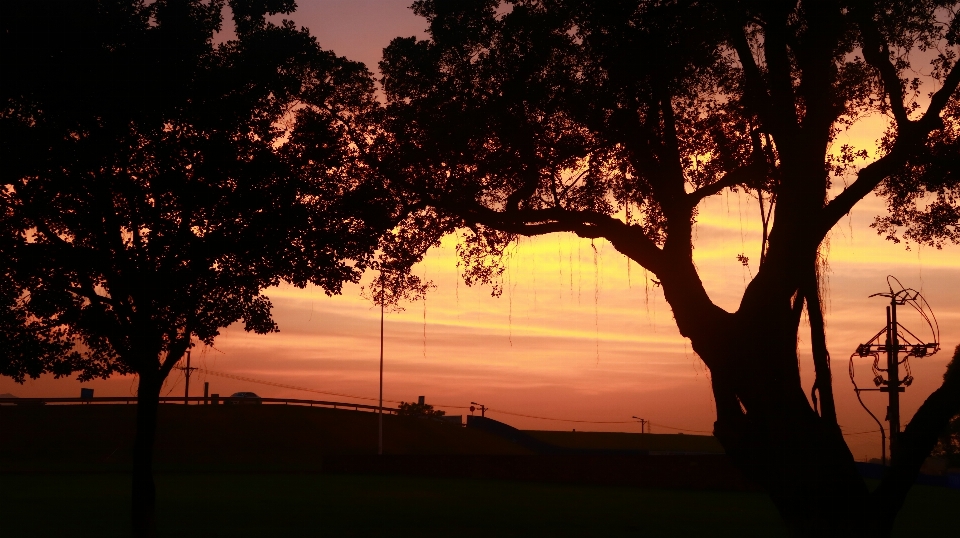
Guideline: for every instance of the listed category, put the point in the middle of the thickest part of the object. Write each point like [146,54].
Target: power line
[558,419]
[285,386]
[501,411]
[678,429]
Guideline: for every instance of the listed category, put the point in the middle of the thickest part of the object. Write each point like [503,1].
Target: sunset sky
[579,333]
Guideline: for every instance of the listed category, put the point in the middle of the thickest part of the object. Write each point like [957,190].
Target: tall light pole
[380,407]
[187,370]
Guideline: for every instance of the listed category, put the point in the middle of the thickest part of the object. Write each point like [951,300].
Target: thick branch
[940,98]
[174,353]
[823,385]
[674,181]
[916,442]
[909,136]
[738,176]
[867,180]
[778,66]
[626,238]
[648,150]
[756,90]
[877,53]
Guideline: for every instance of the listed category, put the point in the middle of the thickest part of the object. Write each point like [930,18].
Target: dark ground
[256,471]
[268,505]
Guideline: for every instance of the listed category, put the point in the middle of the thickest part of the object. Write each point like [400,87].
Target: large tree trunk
[144,495]
[772,434]
[769,428]
[764,420]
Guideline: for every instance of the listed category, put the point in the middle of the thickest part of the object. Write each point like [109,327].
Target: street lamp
[642,422]
[483,408]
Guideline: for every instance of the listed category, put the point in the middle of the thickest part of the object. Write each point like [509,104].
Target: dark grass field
[254,471]
[344,505]
[677,442]
[240,505]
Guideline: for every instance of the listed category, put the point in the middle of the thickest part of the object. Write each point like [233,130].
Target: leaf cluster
[412,409]
[155,181]
[923,198]
[534,116]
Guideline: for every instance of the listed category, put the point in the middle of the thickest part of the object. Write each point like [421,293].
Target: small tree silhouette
[412,409]
[155,183]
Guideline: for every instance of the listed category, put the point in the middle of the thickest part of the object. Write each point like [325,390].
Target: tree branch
[823,385]
[783,97]
[910,134]
[756,91]
[939,100]
[738,176]
[627,239]
[867,180]
[877,53]
[174,354]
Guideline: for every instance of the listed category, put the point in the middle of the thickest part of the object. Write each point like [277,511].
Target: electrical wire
[679,429]
[856,390]
[489,410]
[285,386]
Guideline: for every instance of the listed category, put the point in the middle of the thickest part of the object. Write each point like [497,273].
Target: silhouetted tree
[155,182]
[615,119]
[948,445]
[416,409]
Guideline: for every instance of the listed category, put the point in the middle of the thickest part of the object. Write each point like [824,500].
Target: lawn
[96,505]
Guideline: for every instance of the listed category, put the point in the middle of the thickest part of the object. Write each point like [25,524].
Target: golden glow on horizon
[573,336]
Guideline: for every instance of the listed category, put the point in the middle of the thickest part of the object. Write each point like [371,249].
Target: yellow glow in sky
[577,334]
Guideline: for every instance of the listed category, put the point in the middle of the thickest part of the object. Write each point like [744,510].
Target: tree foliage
[157,179]
[411,409]
[617,119]
[156,182]
[948,444]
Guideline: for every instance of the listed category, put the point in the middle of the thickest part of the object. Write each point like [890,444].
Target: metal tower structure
[896,344]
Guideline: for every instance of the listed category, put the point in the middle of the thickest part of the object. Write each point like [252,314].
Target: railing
[198,399]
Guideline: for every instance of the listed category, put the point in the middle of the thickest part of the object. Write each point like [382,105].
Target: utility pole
[187,370]
[894,340]
[893,375]
[483,409]
[380,407]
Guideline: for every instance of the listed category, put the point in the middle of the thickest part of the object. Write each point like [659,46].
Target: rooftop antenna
[893,340]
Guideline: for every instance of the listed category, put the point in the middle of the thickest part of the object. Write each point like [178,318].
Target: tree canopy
[155,178]
[158,178]
[617,119]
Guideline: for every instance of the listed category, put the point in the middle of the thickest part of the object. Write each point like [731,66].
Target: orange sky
[576,334]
